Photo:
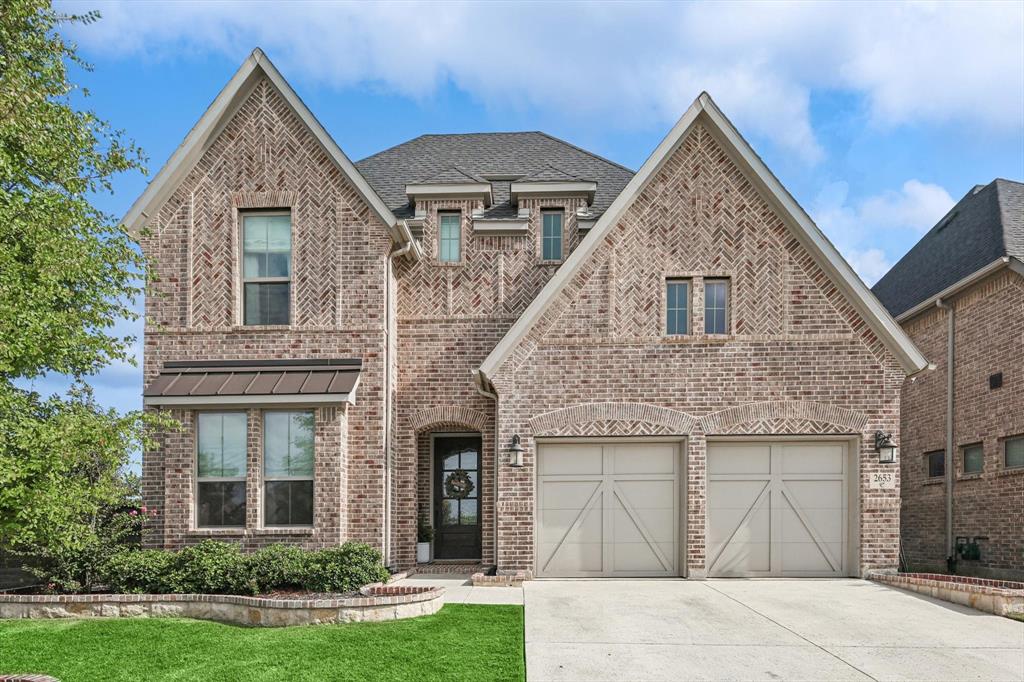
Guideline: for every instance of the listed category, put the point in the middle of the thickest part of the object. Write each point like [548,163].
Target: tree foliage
[68,273]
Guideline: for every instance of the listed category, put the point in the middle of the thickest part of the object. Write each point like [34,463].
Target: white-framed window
[677,307]
[266,268]
[936,463]
[1013,452]
[974,458]
[449,237]
[288,456]
[220,469]
[551,234]
[716,306]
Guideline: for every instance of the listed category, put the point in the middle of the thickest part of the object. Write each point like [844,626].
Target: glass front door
[457,497]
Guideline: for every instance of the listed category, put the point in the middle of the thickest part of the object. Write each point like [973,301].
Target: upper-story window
[716,306]
[1013,452]
[220,469]
[288,468]
[974,458]
[677,307]
[551,235]
[450,237]
[936,463]
[266,268]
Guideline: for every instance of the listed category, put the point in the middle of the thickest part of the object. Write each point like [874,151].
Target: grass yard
[460,642]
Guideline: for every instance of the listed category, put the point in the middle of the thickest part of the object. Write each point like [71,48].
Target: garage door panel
[799,523]
[567,494]
[572,459]
[651,458]
[630,526]
[813,458]
[741,459]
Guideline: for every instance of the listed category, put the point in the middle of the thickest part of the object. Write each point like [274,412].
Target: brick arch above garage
[783,417]
[612,419]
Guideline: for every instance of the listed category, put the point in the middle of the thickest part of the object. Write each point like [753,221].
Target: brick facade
[989,338]
[798,359]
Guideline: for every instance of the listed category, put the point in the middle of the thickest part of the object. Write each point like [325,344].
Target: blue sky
[876,116]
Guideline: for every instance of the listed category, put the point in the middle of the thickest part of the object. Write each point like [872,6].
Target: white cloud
[854,226]
[626,65]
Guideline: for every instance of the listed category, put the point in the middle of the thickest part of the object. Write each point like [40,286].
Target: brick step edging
[991,596]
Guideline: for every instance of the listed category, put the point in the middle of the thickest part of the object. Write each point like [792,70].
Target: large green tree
[68,273]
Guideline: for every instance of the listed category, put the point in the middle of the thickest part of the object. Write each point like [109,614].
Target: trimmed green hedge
[212,567]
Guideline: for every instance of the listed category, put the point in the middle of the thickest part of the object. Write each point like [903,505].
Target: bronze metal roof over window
[252,382]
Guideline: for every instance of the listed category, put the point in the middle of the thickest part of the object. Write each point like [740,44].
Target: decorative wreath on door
[458,484]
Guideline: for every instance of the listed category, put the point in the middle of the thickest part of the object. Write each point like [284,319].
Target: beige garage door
[607,509]
[778,509]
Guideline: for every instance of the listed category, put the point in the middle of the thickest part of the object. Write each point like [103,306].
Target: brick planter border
[1001,597]
[377,603]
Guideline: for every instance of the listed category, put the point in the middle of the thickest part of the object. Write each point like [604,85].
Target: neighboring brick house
[966,273]
[565,368]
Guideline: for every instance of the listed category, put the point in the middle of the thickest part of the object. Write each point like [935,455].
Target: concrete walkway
[458,589]
[760,630]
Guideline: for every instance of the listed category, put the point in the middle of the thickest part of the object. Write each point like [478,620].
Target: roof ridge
[587,152]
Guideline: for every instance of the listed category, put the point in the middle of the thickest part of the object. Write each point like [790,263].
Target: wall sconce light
[515,452]
[885,447]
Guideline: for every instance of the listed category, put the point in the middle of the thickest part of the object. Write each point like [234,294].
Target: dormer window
[551,235]
[449,238]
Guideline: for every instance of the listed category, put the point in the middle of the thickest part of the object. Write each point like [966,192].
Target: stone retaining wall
[1001,597]
[377,603]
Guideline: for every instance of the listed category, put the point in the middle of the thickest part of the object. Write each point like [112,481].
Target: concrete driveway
[760,630]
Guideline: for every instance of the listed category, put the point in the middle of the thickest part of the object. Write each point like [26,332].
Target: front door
[457,497]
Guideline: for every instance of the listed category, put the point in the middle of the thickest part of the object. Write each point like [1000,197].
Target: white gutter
[952,289]
[948,458]
[478,383]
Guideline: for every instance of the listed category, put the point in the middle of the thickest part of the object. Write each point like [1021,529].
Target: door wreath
[458,485]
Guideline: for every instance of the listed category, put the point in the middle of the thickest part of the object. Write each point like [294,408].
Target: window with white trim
[449,237]
[677,307]
[266,268]
[220,469]
[1013,452]
[288,455]
[551,235]
[716,306]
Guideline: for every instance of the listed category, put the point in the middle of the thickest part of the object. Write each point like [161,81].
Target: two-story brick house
[959,294]
[564,367]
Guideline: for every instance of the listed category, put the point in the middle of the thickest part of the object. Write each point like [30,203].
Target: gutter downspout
[388,324]
[950,359]
[478,381]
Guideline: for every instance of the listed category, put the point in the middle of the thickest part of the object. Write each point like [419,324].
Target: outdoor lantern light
[885,448]
[516,452]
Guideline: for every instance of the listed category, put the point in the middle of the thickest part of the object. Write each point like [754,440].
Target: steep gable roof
[704,110]
[498,157]
[985,226]
[255,67]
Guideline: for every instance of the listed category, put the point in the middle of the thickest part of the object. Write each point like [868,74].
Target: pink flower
[143,509]
[133,513]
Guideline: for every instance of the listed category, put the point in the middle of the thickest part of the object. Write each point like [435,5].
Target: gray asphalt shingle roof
[501,155]
[988,223]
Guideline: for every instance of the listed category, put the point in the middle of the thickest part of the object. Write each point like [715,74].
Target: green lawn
[461,642]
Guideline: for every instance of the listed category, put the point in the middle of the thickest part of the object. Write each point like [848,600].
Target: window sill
[252,532]
[938,480]
[971,477]
[208,532]
[261,327]
[283,530]
[1015,471]
[449,264]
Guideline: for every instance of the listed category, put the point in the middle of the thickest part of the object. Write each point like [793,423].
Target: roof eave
[961,284]
[202,134]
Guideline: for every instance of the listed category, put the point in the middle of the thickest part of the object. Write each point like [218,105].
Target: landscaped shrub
[210,568]
[139,571]
[280,567]
[343,569]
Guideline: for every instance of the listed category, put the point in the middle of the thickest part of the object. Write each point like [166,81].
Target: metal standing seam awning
[254,382]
